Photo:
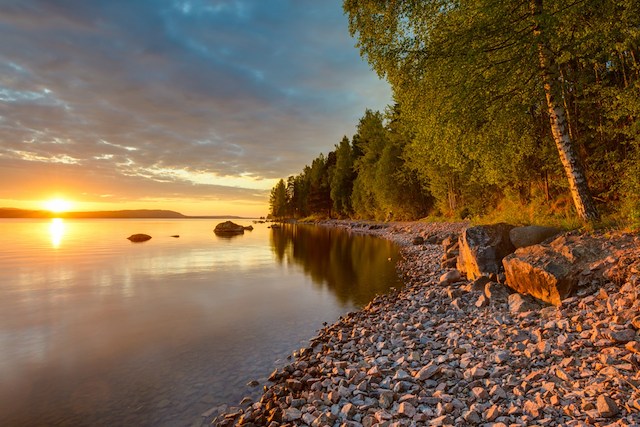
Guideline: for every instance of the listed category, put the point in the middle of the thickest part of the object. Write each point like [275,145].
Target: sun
[57,205]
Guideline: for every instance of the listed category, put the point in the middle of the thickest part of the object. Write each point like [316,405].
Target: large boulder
[531,235]
[551,271]
[482,248]
[228,227]
[137,238]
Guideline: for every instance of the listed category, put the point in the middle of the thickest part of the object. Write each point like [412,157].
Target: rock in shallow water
[137,238]
[228,227]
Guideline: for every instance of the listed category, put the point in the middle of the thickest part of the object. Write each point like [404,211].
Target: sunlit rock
[551,272]
[482,248]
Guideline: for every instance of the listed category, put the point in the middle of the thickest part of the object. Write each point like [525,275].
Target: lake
[96,330]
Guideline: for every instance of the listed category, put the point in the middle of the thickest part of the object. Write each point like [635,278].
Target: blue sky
[164,103]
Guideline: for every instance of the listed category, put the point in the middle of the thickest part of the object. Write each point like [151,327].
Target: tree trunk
[553,91]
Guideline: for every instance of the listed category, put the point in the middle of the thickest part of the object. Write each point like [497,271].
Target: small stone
[308,418]
[348,411]
[633,346]
[427,372]
[292,414]
[482,301]
[373,372]
[530,407]
[607,406]
[501,357]
[497,392]
[492,413]
[472,417]
[517,303]
[624,335]
[386,399]
[294,385]
[449,277]
[443,420]
[407,410]
[479,393]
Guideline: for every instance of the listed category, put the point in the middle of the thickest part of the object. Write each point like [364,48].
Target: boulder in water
[228,227]
[137,238]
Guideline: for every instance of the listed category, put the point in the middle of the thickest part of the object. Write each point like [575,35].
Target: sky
[198,106]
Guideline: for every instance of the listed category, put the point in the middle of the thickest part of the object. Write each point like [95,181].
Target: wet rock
[482,249]
[228,227]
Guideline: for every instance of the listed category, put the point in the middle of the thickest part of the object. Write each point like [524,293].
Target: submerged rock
[228,227]
[137,238]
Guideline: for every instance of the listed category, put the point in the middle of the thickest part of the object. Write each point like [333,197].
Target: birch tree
[461,68]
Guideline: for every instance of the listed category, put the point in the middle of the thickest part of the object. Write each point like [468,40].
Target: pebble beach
[447,351]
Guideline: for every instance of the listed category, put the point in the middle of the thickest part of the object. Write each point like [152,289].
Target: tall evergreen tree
[342,178]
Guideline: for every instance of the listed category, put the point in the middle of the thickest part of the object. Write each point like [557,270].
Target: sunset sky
[196,106]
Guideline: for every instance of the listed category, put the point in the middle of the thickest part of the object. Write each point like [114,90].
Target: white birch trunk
[571,163]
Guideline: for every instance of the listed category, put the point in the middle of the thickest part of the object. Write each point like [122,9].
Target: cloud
[240,92]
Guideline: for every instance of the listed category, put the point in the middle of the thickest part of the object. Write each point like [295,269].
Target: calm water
[95,330]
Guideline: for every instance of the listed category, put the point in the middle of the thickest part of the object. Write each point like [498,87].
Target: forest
[526,111]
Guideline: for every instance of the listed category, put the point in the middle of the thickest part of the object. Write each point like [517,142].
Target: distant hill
[134,213]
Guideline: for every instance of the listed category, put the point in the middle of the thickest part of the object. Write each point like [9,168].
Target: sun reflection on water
[56,232]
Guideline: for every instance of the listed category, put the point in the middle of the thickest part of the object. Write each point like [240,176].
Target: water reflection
[354,268]
[94,328]
[56,232]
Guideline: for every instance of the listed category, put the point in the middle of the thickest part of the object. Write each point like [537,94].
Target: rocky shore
[445,350]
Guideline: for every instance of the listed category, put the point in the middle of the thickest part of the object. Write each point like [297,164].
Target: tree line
[530,104]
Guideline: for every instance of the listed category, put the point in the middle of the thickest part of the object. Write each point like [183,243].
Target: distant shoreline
[121,214]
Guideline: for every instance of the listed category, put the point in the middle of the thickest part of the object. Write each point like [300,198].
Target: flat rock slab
[550,272]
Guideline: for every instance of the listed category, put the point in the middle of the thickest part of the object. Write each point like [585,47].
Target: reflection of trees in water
[355,268]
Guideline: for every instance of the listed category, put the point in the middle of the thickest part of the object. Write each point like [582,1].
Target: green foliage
[470,135]
[342,177]
[468,77]
[278,200]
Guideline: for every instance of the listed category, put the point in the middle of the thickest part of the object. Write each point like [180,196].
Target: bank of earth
[446,350]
